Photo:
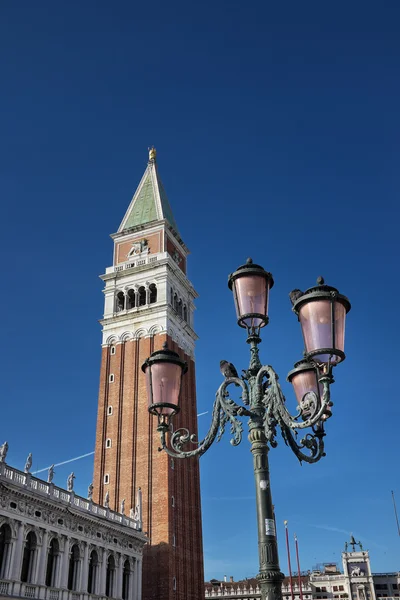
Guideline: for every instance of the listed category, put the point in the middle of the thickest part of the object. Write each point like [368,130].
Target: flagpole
[298,565]
[395,513]
[288,557]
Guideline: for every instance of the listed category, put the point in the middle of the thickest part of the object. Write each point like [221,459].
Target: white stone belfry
[146,289]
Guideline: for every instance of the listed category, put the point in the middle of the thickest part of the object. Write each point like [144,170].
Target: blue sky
[277,127]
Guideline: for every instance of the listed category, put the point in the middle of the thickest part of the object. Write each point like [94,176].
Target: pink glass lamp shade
[304,378]
[164,370]
[250,284]
[322,314]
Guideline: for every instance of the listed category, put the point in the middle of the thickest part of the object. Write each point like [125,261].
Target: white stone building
[356,582]
[55,545]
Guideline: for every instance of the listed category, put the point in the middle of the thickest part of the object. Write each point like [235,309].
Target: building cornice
[28,504]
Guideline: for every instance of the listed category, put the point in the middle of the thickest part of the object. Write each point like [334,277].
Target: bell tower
[148,301]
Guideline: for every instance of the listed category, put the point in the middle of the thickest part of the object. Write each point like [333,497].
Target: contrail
[64,462]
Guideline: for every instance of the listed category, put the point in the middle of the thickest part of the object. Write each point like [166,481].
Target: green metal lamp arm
[224,410]
[271,396]
[264,397]
[314,442]
[274,401]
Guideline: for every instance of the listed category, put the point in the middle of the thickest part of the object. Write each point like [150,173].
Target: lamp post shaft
[270,576]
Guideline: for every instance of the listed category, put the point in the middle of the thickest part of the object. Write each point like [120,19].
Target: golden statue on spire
[152,153]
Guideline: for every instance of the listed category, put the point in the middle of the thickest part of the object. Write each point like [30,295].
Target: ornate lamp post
[321,311]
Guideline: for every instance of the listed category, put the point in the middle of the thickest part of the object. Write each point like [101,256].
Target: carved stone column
[132,581]
[64,565]
[134,587]
[139,564]
[43,559]
[85,568]
[56,578]
[118,574]
[97,573]
[103,572]
[7,569]
[146,287]
[17,553]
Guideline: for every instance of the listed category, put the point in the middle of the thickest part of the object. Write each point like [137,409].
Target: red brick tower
[148,300]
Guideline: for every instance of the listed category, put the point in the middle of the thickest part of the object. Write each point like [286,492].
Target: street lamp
[321,311]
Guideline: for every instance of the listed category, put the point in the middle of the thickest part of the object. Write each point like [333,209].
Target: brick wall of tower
[172,249]
[134,461]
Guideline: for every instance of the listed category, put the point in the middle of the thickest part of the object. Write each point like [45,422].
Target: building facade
[355,582]
[149,301]
[55,545]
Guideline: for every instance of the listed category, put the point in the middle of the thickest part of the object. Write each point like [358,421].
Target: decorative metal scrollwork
[225,411]
[262,394]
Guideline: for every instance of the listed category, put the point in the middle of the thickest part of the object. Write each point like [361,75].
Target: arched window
[92,572]
[52,560]
[73,571]
[176,302]
[120,302]
[5,549]
[153,293]
[131,299]
[142,296]
[185,312]
[110,576]
[28,558]
[180,310]
[126,580]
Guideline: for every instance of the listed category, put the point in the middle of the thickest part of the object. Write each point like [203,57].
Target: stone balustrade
[139,262]
[16,589]
[30,483]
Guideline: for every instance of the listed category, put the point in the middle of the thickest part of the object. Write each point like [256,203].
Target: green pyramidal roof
[149,203]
